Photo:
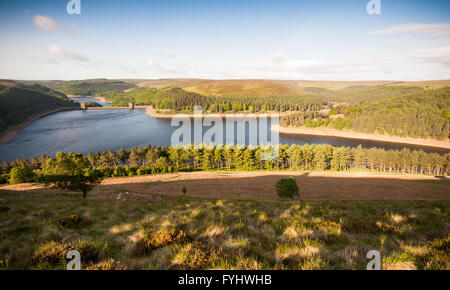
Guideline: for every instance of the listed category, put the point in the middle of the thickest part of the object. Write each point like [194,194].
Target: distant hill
[87,87]
[228,88]
[20,101]
[258,87]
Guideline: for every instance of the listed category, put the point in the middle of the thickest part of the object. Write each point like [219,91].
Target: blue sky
[312,40]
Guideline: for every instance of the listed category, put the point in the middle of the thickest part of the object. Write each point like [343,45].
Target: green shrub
[107,172]
[184,190]
[287,188]
[20,175]
[119,171]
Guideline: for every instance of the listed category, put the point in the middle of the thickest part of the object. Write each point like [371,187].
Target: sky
[215,39]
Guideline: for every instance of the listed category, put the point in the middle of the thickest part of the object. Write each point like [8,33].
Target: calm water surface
[90,131]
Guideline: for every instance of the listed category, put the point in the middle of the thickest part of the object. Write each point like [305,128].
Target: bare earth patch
[313,186]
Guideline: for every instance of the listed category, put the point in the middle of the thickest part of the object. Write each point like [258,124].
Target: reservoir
[101,130]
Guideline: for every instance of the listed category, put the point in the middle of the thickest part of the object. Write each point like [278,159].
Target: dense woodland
[151,160]
[18,102]
[422,114]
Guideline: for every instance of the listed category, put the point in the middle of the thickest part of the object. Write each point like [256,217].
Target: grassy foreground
[178,232]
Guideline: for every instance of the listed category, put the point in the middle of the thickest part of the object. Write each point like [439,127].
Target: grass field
[117,228]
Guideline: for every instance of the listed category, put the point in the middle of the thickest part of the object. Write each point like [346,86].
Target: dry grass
[180,232]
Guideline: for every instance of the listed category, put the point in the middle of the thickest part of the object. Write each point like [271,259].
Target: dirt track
[313,186]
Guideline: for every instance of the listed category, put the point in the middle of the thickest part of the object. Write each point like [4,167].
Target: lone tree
[287,188]
[70,172]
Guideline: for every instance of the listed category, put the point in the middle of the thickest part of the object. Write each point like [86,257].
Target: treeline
[18,102]
[139,96]
[151,160]
[306,103]
[313,119]
[423,114]
[176,99]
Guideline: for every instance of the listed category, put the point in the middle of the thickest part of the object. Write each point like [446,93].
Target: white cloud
[44,23]
[57,51]
[439,55]
[437,29]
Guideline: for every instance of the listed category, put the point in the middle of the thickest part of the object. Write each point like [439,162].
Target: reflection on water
[90,131]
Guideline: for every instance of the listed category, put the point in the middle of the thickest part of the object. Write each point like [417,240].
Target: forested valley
[405,111]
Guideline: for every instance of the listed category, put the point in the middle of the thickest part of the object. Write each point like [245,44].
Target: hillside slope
[20,101]
[259,87]
[417,113]
[87,87]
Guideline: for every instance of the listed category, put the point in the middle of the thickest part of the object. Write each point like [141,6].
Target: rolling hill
[257,87]
[20,101]
[87,87]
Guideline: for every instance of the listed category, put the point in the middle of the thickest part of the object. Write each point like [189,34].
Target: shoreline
[328,132]
[12,131]
[365,136]
[152,113]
